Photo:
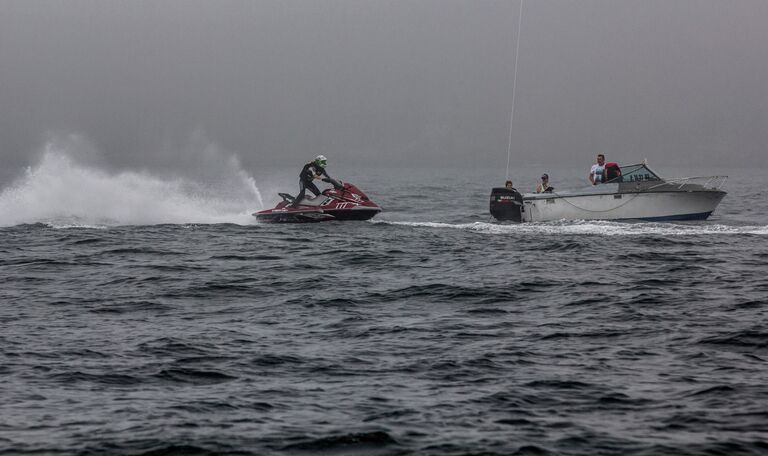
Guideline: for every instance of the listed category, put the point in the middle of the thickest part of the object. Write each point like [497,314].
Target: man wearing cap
[544,186]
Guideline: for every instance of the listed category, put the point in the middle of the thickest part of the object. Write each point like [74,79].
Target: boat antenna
[514,86]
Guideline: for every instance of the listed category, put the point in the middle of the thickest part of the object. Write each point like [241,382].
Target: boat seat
[286,197]
[316,201]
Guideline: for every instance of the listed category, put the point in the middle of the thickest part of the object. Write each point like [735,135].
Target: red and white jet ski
[343,202]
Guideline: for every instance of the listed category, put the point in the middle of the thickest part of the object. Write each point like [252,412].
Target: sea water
[141,314]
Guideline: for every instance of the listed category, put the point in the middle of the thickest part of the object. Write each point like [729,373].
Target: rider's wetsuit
[308,173]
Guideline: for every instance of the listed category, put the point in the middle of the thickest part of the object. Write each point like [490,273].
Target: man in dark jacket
[311,171]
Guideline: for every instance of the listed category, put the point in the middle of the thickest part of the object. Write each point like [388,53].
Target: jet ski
[342,202]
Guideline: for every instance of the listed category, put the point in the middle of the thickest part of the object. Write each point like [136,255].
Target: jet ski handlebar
[336,183]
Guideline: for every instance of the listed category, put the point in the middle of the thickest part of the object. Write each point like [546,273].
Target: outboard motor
[507,204]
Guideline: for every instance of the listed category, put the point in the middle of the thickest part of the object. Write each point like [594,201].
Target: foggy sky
[416,82]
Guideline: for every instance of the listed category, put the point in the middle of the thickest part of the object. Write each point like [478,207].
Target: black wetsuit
[308,173]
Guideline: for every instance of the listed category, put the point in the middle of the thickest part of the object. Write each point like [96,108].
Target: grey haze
[418,82]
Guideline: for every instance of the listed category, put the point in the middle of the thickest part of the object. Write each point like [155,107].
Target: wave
[344,442]
[603,228]
[64,193]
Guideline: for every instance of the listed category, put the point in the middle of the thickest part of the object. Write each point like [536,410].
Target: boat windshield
[637,173]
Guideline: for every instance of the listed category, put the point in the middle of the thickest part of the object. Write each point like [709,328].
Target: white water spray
[600,228]
[64,192]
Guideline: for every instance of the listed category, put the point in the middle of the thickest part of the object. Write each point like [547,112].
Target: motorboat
[637,193]
[342,202]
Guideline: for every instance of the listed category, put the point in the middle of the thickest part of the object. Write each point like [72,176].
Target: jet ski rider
[311,171]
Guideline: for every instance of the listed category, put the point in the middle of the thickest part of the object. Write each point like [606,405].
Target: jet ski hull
[277,216]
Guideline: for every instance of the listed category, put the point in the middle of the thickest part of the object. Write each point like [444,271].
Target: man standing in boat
[597,173]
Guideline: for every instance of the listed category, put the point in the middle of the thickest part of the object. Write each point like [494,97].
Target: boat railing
[709,182]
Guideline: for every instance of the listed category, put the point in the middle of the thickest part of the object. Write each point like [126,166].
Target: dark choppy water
[428,331]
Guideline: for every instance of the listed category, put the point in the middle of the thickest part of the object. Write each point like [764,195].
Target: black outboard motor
[507,204]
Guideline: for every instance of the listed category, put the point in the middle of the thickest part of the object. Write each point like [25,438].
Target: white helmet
[320,160]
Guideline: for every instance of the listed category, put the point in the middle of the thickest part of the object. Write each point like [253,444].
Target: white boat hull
[676,205]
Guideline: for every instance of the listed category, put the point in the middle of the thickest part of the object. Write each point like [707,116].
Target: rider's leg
[300,196]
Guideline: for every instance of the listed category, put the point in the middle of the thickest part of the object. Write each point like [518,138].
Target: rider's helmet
[321,161]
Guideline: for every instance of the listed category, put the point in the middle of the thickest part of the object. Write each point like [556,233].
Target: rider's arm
[307,173]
